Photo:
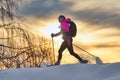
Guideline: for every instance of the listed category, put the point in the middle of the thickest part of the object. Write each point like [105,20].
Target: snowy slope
[65,72]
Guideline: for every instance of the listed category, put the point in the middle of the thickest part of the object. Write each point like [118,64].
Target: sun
[51,28]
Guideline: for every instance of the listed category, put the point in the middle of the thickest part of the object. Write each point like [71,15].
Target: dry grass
[18,48]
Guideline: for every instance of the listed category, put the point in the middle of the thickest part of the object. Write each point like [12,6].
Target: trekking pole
[83,50]
[53,49]
[98,60]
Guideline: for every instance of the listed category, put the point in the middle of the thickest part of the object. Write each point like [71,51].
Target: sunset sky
[98,23]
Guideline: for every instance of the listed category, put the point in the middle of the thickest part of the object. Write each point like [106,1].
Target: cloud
[105,12]
[43,8]
[107,46]
[97,14]
[98,17]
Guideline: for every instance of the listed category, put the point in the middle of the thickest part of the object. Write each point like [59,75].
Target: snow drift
[65,72]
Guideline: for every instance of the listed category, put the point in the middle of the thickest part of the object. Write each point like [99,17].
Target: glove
[52,35]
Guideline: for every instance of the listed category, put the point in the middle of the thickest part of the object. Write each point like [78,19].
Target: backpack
[73,29]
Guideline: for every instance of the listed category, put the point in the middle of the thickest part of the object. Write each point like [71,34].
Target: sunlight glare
[85,38]
[51,28]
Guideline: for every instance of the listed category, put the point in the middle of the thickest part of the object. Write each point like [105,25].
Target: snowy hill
[65,72]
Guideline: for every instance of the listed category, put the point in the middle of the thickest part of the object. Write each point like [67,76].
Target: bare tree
[18,47]
[7,9]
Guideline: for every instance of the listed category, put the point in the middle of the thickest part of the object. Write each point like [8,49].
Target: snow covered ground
[65,72]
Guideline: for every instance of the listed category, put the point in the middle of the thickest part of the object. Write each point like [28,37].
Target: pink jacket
[64,25]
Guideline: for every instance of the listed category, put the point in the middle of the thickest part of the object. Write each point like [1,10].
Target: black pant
[67,43]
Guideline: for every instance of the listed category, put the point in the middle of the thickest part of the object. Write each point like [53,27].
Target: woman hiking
[67,43]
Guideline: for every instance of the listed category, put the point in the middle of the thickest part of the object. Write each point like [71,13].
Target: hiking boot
[57,63]
[84,61]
